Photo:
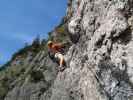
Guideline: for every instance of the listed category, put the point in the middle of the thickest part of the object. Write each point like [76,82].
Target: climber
[56,50]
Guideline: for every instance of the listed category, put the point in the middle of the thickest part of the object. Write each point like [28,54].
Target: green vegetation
[60,34]
[11,74]
[36,76]
[7,76]
[4,87]
[34,48]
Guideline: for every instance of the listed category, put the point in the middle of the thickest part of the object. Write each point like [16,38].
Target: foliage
[36,75]
[36,42]
[62,35]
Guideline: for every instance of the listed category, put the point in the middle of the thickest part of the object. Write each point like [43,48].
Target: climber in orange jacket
[56,48]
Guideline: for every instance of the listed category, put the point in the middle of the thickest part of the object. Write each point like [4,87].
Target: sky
[22,20]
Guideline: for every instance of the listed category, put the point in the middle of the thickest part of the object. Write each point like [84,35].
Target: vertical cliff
[103,58]
[99,60]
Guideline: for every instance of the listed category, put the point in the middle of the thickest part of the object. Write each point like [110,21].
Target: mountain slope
[99,60]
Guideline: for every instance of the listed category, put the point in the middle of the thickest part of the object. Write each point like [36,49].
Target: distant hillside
[29,64]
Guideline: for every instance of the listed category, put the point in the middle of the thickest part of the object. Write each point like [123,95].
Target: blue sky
[22,20]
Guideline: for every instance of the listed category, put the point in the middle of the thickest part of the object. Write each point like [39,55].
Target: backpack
[52,56]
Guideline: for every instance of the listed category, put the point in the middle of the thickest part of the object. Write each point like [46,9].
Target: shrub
[3,92]
[60,30]
[36,76]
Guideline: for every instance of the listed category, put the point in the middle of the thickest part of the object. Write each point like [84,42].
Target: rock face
[104,48]
[100,61]
[36,82]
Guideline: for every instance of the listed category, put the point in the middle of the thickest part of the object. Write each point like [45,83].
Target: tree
[43,42]
[36,41]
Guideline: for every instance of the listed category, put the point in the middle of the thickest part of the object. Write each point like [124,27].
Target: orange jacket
[56,47]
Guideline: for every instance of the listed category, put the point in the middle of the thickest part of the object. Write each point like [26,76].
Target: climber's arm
[59,45]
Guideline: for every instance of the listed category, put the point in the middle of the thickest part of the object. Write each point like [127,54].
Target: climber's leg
[61,60]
